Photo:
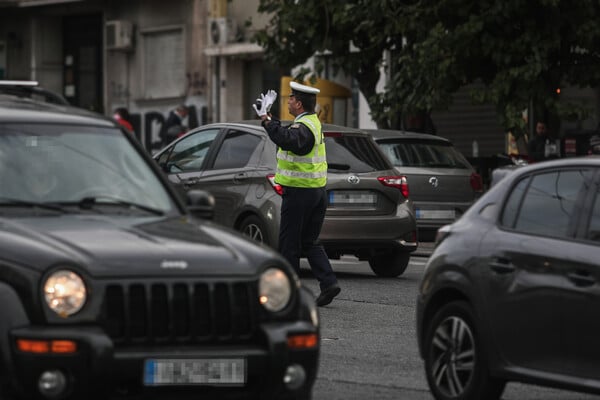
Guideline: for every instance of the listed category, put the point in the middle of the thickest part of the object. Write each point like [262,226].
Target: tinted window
[236,150]
[423,153]
[549,202]
[354,153]
[512,204]
[189,153]
[594,227]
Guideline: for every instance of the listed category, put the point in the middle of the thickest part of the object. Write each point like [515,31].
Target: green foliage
[516,51]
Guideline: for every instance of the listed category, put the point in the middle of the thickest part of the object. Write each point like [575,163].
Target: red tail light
[276,186]
[399,182]
[476,182]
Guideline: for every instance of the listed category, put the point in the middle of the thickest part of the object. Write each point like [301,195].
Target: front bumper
[99,370]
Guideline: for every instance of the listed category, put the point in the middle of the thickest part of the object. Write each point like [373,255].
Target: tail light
[276,186]
[399,182]
[476,182]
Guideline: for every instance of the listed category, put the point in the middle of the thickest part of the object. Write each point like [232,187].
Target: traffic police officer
[302,172]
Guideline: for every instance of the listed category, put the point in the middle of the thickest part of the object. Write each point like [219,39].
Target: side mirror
[201,204]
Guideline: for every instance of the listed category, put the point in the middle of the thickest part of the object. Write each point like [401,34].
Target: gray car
[443,184]
[369,215]
[511,291]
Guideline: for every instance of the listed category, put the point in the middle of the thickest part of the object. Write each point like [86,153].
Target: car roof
[582,161]
[17,109]
[399,134]
[326,127]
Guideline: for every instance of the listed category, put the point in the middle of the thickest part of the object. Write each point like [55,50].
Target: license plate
[339,197]
[435,214]
[208,371]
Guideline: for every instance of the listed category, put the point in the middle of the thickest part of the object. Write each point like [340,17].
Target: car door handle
[581,278]
[240,177]
[188,183]
[502,266]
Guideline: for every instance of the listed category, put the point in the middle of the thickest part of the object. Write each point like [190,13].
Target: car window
[354,153]
[593,232]
[548,203]
[236,150]
[189,153]
[512,204]
[423,153]
[67,163]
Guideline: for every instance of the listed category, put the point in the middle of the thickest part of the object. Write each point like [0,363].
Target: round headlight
[65,292]
[274,289]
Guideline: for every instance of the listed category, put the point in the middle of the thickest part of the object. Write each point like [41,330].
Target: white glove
[270,98]
[262,104]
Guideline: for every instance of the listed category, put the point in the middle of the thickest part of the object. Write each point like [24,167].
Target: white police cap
[297,87]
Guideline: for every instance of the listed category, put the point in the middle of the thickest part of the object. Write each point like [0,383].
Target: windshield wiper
[343,167]
[9,201]
[89,202]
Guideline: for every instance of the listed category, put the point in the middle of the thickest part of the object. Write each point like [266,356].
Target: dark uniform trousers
[302,214]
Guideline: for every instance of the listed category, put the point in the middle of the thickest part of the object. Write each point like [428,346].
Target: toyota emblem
[353,179]
[433,181]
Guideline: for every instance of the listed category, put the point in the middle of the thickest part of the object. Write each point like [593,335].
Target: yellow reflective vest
[309,170]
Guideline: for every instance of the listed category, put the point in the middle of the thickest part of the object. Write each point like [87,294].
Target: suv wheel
[455,363]
[390,265]
[255,229]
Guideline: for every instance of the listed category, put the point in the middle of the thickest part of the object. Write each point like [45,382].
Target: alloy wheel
[453,356]
[254,232]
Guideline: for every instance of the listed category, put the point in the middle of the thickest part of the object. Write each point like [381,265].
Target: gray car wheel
[455,363]
[255,229]
[390,265]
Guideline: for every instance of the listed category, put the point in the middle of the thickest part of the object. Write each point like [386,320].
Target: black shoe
[328,294]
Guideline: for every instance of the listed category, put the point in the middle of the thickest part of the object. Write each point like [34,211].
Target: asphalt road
[369,348]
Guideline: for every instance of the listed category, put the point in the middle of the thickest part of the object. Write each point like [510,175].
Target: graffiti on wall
[151,130]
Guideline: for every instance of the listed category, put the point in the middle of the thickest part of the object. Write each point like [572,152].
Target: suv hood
[109,245]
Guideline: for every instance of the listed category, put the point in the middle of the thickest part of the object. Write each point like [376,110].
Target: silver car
[443,184]
[369,215]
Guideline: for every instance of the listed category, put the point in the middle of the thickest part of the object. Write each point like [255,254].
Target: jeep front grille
[180,312]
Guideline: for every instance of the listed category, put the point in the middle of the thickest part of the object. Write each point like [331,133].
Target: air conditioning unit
[221,31]
[119,35]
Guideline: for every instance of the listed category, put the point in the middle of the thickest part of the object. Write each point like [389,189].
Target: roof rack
[18,83]
[32,90]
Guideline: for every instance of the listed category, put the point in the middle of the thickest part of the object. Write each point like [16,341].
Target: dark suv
[370,214]
[110,286]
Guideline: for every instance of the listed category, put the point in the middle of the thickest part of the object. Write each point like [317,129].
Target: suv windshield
[423,153]
[62,164]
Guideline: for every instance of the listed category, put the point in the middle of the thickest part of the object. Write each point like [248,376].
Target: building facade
[152,55]
[146,55]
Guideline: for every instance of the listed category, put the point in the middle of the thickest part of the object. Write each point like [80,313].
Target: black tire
[390,265]
[255,229]
[455,363]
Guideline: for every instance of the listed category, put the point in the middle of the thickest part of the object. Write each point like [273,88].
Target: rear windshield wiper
[90,202]
[9,201]
[343,167]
